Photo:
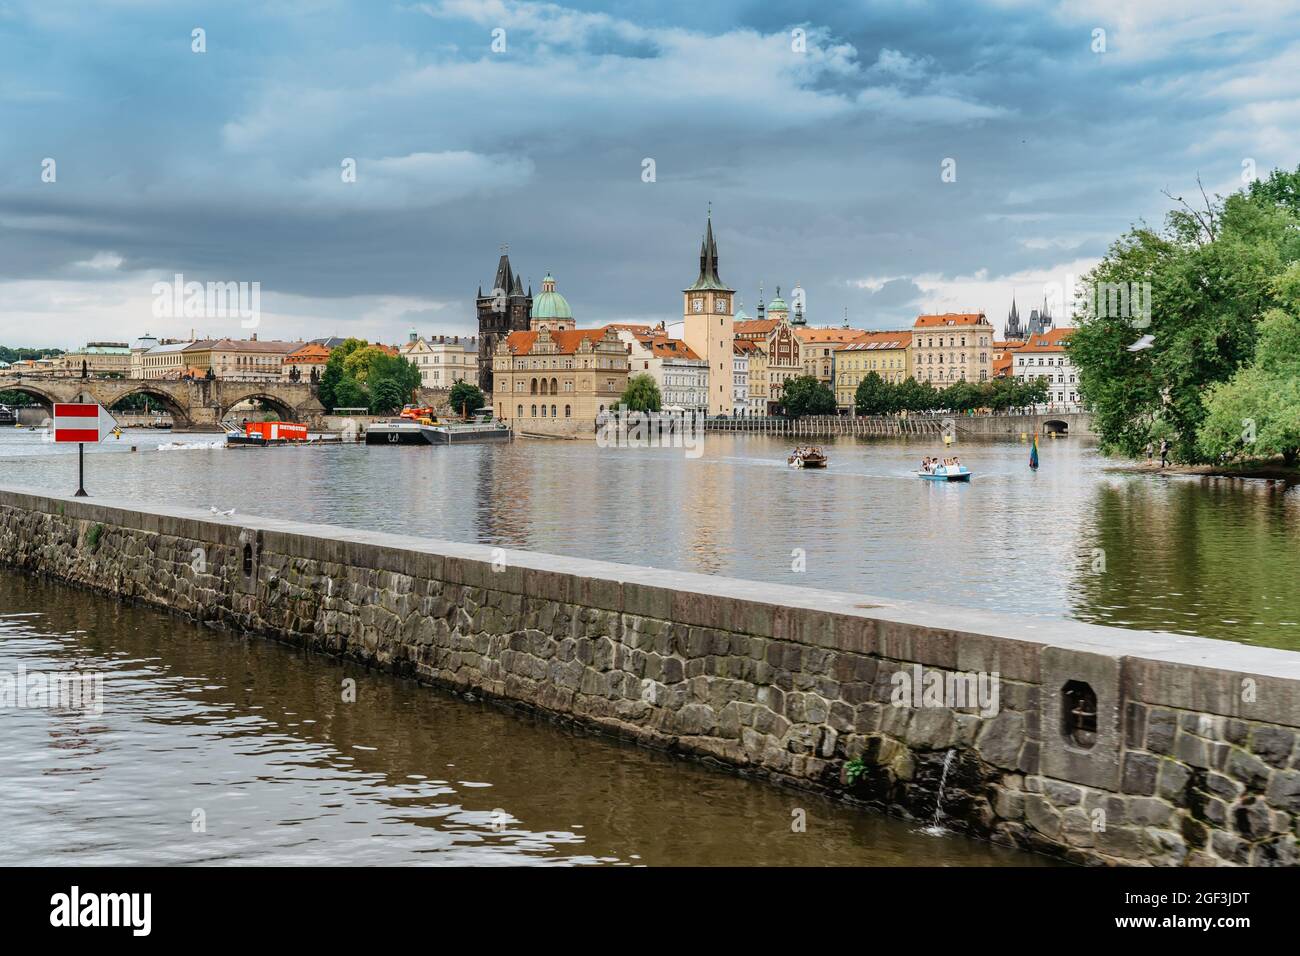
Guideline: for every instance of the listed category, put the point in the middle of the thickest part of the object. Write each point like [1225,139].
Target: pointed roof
[708,279]
[505,275]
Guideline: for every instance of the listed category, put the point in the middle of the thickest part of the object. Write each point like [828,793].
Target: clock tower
[707,308]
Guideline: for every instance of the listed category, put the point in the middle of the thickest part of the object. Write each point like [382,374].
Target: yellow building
[558,382]
[952,347]
[707,306]
[888,354]
[817,350]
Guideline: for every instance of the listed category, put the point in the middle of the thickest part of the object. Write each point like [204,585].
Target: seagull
[224,514]
[1143,343]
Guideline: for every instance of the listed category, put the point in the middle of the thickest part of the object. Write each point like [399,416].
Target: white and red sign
[82,422]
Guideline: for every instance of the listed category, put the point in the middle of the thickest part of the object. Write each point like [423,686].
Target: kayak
[946,474]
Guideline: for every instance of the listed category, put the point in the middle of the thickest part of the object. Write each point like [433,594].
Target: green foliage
[12,355]
[1256,413]
[875,396]
[349,394]
[641,394]
[854,770]
[1214,274]
[359,375]
[806,395]
[387,397]
[466,397]
[93,536]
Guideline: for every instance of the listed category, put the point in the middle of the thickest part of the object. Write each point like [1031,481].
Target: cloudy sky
[818,131]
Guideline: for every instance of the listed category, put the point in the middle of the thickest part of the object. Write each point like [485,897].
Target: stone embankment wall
[1100,746]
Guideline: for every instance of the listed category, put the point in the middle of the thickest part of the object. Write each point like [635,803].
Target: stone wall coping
[931,634]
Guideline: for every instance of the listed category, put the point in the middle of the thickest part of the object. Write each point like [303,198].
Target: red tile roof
[567,342]
[753,326]
[949,318]
[1051,341]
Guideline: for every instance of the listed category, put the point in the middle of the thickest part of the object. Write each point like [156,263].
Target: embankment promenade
[1098,745]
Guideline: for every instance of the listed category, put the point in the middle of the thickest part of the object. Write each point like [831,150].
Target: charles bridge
[194,404]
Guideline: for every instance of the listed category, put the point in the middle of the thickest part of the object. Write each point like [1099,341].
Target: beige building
[247,359]
[300,364]
[166,360]
[558,382]
[817,350]
[443,360]
[885,353]
[951,347]
[99,358]
[707,307]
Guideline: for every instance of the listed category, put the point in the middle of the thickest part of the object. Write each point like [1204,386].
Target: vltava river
[1076,539]
[218,749]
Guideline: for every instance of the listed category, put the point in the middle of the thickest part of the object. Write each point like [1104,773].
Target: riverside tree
[805,395]
[641,394]
[466,397]
[1214,272]
[1256,413]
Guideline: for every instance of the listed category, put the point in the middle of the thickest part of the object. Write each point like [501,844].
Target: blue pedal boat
[946,473]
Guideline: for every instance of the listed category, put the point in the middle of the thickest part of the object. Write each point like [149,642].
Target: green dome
[549,304]
[778,305]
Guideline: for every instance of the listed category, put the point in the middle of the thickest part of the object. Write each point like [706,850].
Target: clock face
[720,304]
[697,305]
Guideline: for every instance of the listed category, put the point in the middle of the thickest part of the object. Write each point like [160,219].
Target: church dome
[549,304]
[778,304]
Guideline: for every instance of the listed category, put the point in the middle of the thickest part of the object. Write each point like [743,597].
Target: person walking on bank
[1164,452]
[1150,450]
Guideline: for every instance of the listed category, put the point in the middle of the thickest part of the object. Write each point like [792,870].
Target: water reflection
[1189,555]
[253,740]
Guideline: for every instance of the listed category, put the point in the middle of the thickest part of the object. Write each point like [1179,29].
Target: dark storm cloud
[823,167]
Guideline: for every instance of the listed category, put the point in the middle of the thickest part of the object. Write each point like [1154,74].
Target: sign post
[82,423]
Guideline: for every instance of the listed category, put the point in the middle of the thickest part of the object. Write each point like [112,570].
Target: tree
[917,396]
[641,394]
[805,395]
[466,397]
[1256,413]
[387,396]
[349,394]
[1212,277]
[874,396]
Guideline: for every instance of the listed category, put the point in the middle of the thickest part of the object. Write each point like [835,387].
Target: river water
[1077,539]
[218,749]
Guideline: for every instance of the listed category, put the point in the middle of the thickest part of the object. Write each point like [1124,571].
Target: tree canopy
[466,397]
[641,394]
[1215,272]
[806,395]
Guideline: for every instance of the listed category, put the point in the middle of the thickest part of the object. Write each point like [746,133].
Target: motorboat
[806,459]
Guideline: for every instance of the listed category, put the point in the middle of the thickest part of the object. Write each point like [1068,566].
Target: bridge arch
[282,408]
[158,392]
[44,396]
[1056,426]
